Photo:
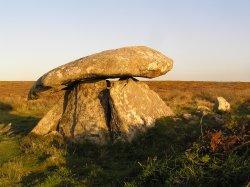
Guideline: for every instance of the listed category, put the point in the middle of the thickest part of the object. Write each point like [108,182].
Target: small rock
[202,110]
[187,116]
[177,119]
[190,117]
[221,105]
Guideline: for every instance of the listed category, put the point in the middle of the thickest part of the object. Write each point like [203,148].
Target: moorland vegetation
[178,151]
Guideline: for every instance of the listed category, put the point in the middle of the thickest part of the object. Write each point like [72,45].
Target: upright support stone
[85,116]
[134,108]
[50,121]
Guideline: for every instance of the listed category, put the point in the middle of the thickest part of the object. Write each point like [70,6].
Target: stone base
[96,113]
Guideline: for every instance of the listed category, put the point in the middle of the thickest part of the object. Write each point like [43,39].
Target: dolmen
[97,110]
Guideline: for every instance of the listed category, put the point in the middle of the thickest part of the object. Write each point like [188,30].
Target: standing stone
[134,108]
[50,121]
[85,116]
[221,104]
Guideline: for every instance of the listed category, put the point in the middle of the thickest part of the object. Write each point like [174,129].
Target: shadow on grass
[151,160]
[154,155]
[116,163]
[244,108]
[37,178]
[16,124]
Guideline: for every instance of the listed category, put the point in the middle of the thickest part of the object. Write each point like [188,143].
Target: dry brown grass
[180,95]
[14,94]
[229,90]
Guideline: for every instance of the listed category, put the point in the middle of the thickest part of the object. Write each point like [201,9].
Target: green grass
[9,149]
[171,154]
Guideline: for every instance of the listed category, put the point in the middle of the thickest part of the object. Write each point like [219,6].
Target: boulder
[136,61]
[202,110]
[134,108]
[176,119]
[221,105]
[187,116]
[50,121]
[86,113]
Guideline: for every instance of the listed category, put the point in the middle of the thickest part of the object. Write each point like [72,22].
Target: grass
[173,153]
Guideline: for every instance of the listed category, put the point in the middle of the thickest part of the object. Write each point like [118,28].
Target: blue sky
[208,40]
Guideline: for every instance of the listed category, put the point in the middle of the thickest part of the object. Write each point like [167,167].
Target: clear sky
[208,40]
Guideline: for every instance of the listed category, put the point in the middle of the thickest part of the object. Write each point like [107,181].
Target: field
[190,149]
